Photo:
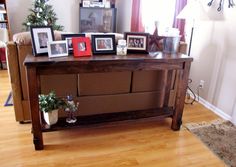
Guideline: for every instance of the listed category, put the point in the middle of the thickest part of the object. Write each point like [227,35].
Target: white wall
[213,49]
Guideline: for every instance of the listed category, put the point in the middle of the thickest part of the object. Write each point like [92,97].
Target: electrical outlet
[201,84]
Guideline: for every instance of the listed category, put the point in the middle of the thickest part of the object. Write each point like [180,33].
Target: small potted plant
[49,104]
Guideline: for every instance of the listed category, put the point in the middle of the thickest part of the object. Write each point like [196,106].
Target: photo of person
[81,46]
[58,49]
[43,39]
[135,42]
[131,42]
[141,43]
[104,44]
[69,42]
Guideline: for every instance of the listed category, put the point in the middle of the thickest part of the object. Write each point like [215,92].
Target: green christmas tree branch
[42,15]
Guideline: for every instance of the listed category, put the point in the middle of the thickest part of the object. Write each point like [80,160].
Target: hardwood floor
[146,142]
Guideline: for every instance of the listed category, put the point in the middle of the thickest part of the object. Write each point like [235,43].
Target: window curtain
[136,17]
[179,23]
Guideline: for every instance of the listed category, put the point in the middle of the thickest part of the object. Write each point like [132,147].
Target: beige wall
[17,12]
[67,13]
[123,15]
[213,49]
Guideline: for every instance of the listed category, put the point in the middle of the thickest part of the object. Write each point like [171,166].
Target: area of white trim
[216,110]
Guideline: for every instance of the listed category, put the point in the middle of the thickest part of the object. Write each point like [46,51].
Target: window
[157,10]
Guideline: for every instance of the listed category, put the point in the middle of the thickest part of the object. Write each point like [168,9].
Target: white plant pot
[51,117]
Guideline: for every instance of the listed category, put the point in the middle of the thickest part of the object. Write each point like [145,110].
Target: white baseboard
[216,110]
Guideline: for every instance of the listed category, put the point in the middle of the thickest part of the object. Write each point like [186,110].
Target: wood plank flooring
[138,143]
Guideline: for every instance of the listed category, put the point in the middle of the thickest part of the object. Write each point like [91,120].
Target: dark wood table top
[70,60]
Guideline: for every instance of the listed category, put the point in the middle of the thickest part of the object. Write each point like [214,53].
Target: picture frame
[97,20]
[103,44]
[81,46]
[68,38]
[86,3]
[137,42]
[57,49]
[40,36]
[2,8]
[96,3]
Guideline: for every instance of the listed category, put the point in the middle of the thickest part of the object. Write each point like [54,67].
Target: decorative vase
[51,117]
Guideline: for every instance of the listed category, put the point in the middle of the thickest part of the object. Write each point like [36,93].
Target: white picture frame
[97,3]
[40,35]
[86,3]
[2,8]
[57,49]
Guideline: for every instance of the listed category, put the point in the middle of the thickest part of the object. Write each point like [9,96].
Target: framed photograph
[97,20]
[57,49]
[103,44]
[96,3]
[137,42]
[68,38]
[81,46]
[86,3]
[2,8]
[40,36]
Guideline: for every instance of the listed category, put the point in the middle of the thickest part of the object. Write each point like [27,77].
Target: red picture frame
[81,46]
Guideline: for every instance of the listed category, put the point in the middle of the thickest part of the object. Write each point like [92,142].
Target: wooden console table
[37,66]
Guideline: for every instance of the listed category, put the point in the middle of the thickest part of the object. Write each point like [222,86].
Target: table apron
[97,67]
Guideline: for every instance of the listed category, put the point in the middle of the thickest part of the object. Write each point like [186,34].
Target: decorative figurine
[121,49]
[154,40]
[71,108]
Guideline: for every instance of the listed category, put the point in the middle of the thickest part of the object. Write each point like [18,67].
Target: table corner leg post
[176,123]
[33,87]
[181,92]
[38,144]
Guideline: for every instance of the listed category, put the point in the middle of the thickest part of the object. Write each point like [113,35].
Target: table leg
[180,96]
[167,88]
[33,88]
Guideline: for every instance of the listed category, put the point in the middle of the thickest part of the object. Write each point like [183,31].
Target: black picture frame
[68,38]
[97,20]
[40,36]
[137,42]
[103,44]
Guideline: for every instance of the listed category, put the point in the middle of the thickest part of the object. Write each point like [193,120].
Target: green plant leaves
[50,102]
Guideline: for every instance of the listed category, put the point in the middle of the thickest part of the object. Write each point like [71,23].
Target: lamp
[192,11]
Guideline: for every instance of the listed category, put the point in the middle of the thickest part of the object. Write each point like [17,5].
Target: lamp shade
[194,11]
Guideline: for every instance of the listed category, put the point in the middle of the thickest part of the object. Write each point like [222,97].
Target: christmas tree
[42,15]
